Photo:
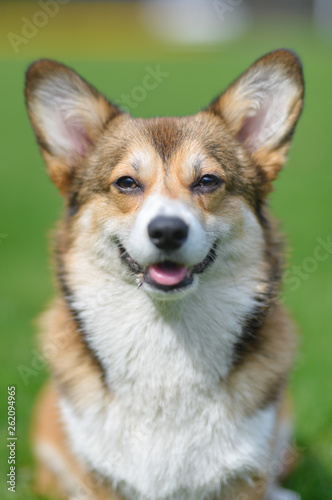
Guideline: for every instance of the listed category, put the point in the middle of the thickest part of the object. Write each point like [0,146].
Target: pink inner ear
[254,127]
[80,139]
[75,134]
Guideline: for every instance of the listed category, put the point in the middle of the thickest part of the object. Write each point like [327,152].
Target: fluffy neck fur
[146,344]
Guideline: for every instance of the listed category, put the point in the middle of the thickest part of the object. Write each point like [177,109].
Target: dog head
[157,200]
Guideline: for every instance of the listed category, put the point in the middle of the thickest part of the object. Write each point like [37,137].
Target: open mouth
[167,275]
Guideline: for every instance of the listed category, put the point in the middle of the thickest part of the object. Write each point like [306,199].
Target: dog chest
[191,447]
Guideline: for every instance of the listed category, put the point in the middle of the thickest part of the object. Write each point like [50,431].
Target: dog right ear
[262,107]
[67,115]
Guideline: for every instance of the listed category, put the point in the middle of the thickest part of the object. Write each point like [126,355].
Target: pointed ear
[67,115]
[262,106]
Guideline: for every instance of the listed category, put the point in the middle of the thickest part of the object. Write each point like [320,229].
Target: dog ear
[262,107]
[67,115]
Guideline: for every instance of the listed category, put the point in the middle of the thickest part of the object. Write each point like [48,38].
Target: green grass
[30,205]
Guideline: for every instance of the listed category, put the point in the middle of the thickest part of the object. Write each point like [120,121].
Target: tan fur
[48,431]
[233,104]
[253,383]
[166,156]
[262,370]
[76,372]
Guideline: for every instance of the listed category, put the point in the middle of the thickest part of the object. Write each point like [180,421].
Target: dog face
[158,201]
[167,211]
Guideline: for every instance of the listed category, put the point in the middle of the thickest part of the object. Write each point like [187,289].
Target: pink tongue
[164,275]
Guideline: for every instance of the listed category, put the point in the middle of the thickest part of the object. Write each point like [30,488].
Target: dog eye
[207,182]
[126,183]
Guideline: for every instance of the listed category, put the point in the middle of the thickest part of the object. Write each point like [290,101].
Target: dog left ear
[67,115]
[262,107]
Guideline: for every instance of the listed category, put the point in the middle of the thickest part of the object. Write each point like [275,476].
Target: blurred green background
[110,45]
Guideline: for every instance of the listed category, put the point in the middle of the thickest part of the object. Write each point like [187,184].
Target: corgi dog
[168,347]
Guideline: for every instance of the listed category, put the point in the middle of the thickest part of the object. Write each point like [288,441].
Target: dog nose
[168,233]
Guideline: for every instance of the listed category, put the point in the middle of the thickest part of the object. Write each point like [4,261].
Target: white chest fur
[170,430]
[190,457]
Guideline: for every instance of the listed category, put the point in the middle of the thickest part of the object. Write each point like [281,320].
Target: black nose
[168,233]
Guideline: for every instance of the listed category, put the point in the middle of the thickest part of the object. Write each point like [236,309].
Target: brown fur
[271,161]
[178,151]
[254,384]
[48,431]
